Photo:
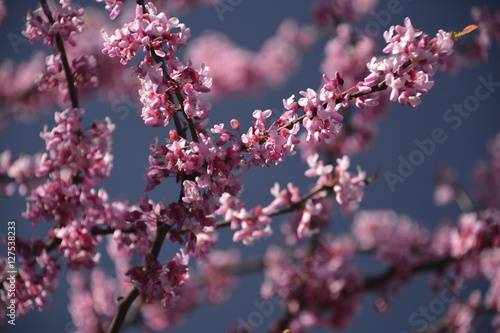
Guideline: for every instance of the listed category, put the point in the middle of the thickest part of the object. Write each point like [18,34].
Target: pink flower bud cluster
[413,61]
[143,219]
[158,107]
[75,161]
[161,73]
[321,286]
[150,30]
[66,20]
[323,122]
[349,188]
[266,145]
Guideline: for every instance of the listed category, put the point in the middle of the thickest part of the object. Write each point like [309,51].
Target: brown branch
[121,312]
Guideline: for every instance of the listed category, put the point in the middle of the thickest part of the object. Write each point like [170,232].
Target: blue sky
[249,24]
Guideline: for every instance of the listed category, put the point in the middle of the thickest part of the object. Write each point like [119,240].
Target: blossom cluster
[75,161]
[37,279]
[63,19]
[413,61]
[156,280]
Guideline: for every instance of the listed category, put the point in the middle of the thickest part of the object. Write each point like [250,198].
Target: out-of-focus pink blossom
[444,194]
[3,11]
[18,174]
[487,177]
[235,70]
[330,13]
[217,279]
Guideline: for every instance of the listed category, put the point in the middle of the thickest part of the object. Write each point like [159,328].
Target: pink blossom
[78,245]
[266,147]
[75,162]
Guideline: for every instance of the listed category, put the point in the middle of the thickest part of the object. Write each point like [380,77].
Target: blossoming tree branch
[313,274]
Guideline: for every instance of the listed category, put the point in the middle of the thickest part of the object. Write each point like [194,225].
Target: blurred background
[249,24]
